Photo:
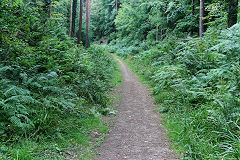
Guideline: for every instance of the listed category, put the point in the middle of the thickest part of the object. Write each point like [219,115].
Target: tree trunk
[232,12]
[201,27]
[193,13]
[167,19]
[88,8]
[161,34]
[74,15]
[49,9]
[193,8]
[157,34]
[70,29]
[80,22]
[117,5]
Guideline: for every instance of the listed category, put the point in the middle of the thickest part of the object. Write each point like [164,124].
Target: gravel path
[137,133]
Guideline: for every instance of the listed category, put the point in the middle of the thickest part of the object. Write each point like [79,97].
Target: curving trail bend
[137,133]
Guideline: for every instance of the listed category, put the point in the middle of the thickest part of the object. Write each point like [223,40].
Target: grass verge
[78,141]
[170,125]
[193,131]
[117,80]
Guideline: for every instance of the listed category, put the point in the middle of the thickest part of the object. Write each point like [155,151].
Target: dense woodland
[55,75]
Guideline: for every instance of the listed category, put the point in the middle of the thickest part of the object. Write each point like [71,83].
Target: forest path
[137,133]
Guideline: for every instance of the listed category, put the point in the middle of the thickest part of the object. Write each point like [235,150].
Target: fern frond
[53,89]
[14,90]
[64,103]
[17,121]
[5,68]
[22,99]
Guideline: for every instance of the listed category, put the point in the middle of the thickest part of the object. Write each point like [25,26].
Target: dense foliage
[195,81]
[44,77]
[103,13]
[49,85]
[102,17]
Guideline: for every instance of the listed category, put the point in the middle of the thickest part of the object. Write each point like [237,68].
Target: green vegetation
[52,92]
[201,107]
[195,81]
[77,141]
[118,76]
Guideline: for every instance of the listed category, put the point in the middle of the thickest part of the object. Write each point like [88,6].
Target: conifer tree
[201,27]
[88,8]
[70,28]
[72,17]
[80,22]
[232,12]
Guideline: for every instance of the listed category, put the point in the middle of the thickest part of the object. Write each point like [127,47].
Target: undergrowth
[196,84]
[59,122]
[52,91]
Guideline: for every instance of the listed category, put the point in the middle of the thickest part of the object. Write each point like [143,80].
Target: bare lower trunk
[167,19]
[232,12]
[71,16]
[193,13]
[193,8]
[201,27]
[49,9]
[80,23]
[74,15]
[88,8]
[161,34]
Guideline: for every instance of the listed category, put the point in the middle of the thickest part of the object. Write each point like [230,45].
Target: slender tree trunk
[49,9]
[117,5]
[71,12]
[80,22]
[201,27]
[88,8]
[232,12]
[161,34]
[193,13]
[167,19]
[157,34]
[193,8]
[74,15]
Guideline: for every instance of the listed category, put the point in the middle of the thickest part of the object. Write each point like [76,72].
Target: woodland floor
[137,133]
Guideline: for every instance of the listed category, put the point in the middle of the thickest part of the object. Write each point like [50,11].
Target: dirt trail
[137,133]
